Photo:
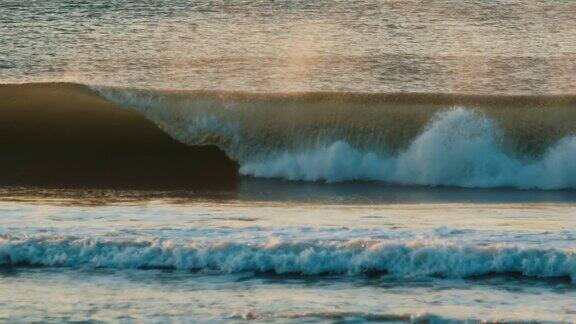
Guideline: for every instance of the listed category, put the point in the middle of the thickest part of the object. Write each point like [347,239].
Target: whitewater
[411,259]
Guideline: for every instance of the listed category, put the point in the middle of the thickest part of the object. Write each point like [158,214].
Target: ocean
[287,161]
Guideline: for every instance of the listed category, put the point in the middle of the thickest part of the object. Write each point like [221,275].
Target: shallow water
[290,257]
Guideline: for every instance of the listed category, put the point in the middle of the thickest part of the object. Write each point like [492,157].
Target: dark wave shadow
[62,135]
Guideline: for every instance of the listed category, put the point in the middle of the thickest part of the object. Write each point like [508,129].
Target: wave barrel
[65,135]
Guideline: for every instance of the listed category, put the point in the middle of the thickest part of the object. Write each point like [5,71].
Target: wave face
[63,135]
[353,257]
[437,140]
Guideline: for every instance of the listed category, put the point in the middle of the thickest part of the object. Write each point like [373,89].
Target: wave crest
[355,257]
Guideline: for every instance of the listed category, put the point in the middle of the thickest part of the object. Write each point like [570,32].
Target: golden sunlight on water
[368,46]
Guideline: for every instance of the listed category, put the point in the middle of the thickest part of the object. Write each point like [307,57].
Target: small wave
[355,257]
[354,317]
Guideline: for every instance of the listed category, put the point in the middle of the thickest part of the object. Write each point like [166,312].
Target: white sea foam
[354,257]
[458,148]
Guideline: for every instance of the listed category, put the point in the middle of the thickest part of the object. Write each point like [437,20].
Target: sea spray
[459,148]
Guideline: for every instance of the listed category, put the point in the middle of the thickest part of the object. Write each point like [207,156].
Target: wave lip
[399,259]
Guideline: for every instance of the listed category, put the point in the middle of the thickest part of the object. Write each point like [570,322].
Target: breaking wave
[353,257]
[435,140]
[458,148]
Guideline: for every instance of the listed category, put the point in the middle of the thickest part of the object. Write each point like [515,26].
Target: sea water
[281,256]
[349,209]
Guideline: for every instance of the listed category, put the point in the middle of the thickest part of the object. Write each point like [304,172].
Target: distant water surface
[461,46]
